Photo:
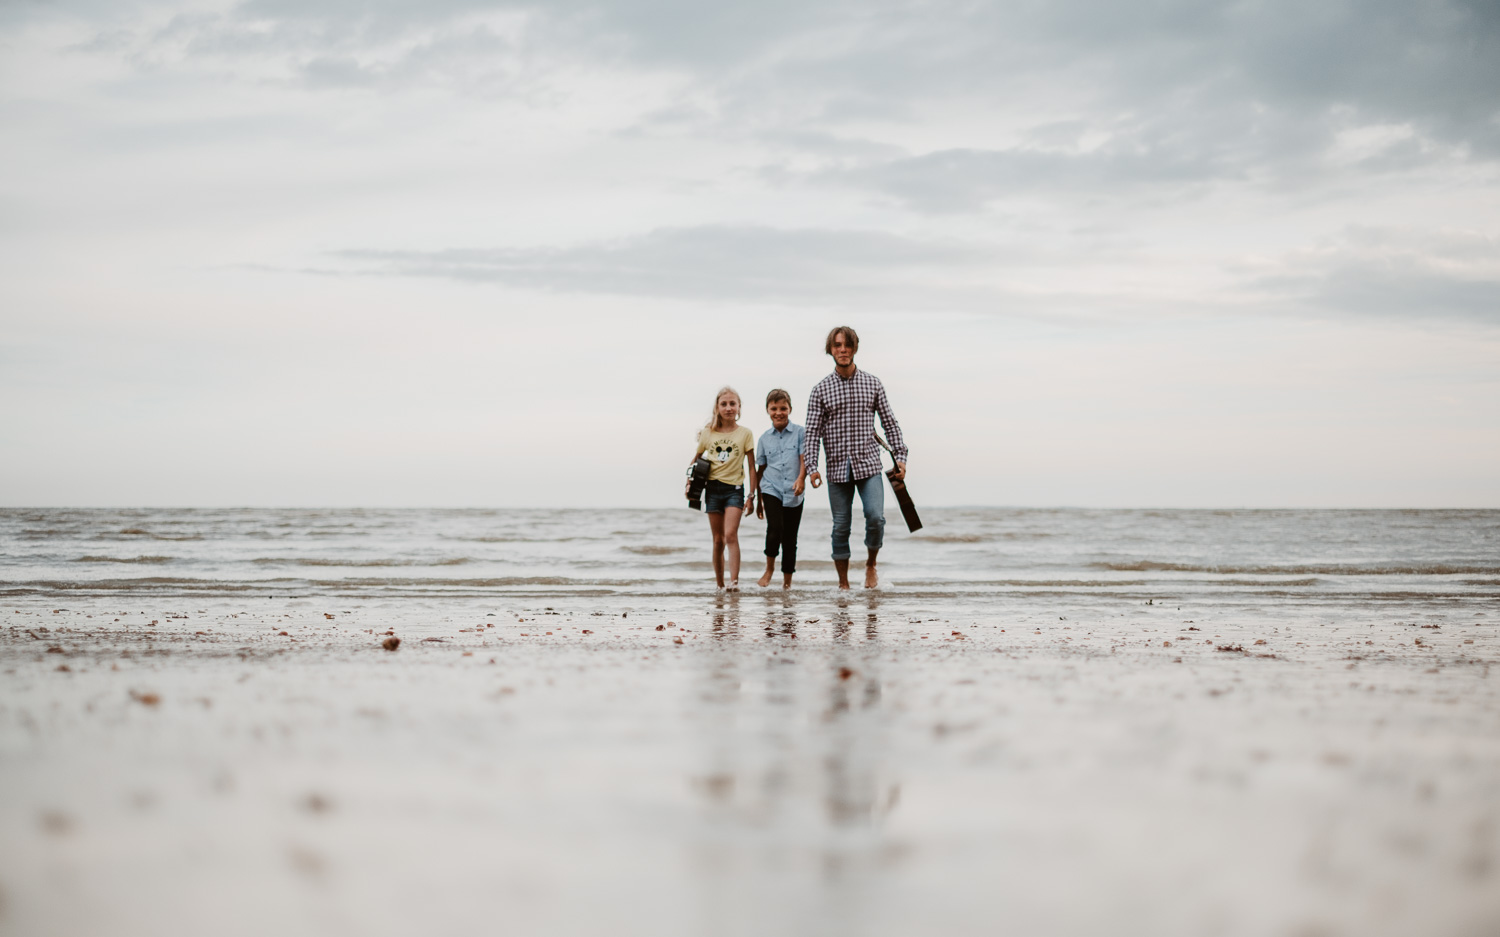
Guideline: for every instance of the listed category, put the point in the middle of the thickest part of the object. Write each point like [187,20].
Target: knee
[718,541]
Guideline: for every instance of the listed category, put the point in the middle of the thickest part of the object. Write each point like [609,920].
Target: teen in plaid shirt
[841,415]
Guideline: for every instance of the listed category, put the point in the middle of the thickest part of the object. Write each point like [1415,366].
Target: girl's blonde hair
[713,418]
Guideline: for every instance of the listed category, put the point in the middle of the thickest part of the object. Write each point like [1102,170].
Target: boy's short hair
[850,336]
[778,394]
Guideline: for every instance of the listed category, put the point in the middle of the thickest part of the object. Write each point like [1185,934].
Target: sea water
[1043,722]
[961,554]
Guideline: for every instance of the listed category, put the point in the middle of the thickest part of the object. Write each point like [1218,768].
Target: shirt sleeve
[892,428]
[760,451]
[813,431]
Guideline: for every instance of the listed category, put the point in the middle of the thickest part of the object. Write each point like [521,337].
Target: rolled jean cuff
[872,501]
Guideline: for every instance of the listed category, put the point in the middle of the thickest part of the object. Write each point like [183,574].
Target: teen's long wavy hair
[713,418]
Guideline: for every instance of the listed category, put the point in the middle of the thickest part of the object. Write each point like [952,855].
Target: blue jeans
[841,502]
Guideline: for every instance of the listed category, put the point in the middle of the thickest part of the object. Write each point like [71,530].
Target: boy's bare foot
[786,580]
[871,579]
[765,578]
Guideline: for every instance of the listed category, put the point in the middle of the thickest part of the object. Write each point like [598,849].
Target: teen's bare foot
[786,581]
[765,578]
[871,578]
[734,586]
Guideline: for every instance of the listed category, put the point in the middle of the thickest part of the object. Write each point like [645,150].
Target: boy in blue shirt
[782,475]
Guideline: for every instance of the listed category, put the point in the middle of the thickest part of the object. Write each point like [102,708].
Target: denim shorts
[718,496]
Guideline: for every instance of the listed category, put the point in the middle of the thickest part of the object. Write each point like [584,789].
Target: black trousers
[781,530]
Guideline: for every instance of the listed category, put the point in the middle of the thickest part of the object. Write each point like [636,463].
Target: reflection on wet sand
[795,780]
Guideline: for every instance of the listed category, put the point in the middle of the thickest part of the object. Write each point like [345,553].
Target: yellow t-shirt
[726,453]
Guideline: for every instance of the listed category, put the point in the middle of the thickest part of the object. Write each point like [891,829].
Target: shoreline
[851,766]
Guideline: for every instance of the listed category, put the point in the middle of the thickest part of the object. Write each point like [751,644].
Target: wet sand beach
[1013,736]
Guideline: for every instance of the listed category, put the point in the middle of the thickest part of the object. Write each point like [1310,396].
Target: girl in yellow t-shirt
[730,450]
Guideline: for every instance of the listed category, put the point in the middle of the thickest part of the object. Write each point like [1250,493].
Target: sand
[760,764]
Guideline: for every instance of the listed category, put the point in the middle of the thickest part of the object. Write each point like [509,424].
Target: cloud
[1086,96]
[1364,272]
[966,180]
[713,263]
[1389,272]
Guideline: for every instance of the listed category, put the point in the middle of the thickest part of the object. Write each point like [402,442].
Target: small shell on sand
[391,643]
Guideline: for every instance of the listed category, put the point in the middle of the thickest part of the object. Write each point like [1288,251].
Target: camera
[697,474]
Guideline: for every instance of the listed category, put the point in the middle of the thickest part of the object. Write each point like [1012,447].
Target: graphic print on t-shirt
[726,453]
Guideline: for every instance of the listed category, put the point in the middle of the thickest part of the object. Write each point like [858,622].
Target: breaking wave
[1315,569]
[124,559]
[317,561]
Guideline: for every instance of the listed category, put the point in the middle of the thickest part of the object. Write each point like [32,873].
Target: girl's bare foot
[734,586]
[871,579]
[765,578]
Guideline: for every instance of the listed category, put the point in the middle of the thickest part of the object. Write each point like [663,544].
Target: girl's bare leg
[716,526]
[731,540]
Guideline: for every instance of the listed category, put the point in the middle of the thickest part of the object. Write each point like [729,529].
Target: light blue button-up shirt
[776,454]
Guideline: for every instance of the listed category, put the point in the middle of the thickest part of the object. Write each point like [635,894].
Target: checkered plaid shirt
[841,415]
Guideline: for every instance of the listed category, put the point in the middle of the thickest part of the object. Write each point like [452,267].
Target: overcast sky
[457,252]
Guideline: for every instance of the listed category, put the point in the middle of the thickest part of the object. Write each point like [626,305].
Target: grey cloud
[1181,91]
[1408,291]
[481,58]
[718,263]
[1394,55]
[830,145]
[1411,60]
[1138,162]
[677,31]
[965,180]
[1365,272]
[1392,273]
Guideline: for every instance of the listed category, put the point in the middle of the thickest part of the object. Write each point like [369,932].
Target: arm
[797,487]
[813,432]
[892,432]
[754,487]
[760,504]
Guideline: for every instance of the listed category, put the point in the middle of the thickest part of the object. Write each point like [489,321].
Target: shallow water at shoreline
[1011,737]
[475,553]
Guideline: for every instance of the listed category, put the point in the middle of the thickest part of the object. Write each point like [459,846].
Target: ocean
[961,554]
[1045,722]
